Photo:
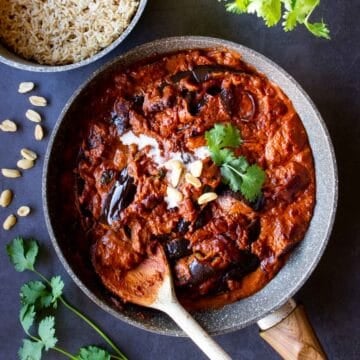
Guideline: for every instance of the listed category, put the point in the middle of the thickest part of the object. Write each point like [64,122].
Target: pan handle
[290,333]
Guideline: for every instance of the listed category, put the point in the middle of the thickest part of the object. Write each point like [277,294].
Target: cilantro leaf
[239,163]
[38,294]
[295,12]
[222,135]
[47,332]
[269,10]
[57,286]
[231,178]
[35,292]
[238,6]
[221,156]
[30,350]
[252,181]
[318,29]
[27,316]
[290,20]
[248,181]
[93,353]
[22,254]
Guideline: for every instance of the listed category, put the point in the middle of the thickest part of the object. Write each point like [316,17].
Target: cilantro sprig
[37,295]
[235,171]
[293,12]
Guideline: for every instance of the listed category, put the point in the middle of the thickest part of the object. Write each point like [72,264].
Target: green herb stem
[233,169]
[94,326]
[116,357]
[41,276]
[55,348]
[65,353]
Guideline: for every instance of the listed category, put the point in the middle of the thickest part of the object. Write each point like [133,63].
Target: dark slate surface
[328,71]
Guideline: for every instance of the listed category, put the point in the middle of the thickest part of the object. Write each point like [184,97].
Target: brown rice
[58,32]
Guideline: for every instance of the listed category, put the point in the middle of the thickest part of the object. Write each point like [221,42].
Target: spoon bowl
[150,284]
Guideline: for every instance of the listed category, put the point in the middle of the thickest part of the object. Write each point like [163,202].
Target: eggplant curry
[200,153]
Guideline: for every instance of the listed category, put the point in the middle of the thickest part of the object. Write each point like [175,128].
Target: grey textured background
[327,70]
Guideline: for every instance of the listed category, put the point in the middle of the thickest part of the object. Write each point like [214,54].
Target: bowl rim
[193,42]
[18,62]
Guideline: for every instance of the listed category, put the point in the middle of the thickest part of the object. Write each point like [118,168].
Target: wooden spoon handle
[197,334]
[294,338]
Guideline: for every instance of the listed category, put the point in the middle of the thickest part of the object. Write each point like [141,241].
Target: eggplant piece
[182,226]
[163,98]
[203,218]
[79,184]
[127,231]
[94,140]
[257,205]
[107,176]
[228,99]
[254,230]
[193,103]
[120,196]
[200,272]
[138,101]
[180,75]
[85,211]
[248,263]
[201,73]
[177,248]
[251,113]
[121,122]
[213,90]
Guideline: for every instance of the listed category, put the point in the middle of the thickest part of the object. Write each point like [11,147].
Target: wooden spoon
[150,285]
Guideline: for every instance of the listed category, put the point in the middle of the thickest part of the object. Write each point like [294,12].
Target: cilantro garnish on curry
[199,152]
[235,171]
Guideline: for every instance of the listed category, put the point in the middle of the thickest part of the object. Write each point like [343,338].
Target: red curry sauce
[228,248]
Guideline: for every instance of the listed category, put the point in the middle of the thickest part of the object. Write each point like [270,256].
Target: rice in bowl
[59,32]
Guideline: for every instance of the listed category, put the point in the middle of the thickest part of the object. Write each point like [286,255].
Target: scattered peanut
[28,154]
[26,87]
[25,164]
[196,168]
[33,115]
[39,132]
[8,126]
[11,173]
[38,100]
[23,211]
[174,195]
[207,197]
[191,179]
[6,198]
[9,222]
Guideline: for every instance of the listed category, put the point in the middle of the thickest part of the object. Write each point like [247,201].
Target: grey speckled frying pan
[302,261]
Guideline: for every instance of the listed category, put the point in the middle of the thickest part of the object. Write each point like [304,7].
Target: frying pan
[274,298]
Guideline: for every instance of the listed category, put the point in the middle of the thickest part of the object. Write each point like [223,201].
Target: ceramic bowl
[9,58]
